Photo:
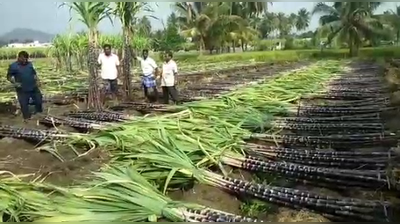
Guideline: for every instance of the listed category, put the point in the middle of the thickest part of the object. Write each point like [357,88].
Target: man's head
[145,53]
[168,56]
[107,49]
[23,57]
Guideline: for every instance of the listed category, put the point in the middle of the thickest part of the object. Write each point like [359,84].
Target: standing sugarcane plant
[91,14]
[63,47]
[127,12]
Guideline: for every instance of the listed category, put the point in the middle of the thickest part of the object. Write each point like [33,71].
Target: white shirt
[148,66]
[168,71]
[108,66]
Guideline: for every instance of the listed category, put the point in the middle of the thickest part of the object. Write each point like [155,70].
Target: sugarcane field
[259,123]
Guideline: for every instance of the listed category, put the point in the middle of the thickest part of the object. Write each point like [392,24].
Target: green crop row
[287,55]
[11,53]
[294,55]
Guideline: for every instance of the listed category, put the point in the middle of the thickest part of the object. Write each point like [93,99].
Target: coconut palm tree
[249,9]
[303,19]
[284,24]
[144,26]
[127,13]
[193,22]
[219,24]
[349,22]
[173,20]
[292,20]
[91,14]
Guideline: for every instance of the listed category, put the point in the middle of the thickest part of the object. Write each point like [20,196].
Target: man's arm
[117,65]
[99,60]
[117,62]
[175,70]
[35,75]
[155,67]
[10,75]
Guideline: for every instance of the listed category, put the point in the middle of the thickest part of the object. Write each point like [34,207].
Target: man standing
[23,76]
[109,69]
[149,70]
[169,79]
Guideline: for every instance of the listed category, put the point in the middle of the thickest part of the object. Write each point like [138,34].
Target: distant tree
[144,26]
[172,39]
[168,38]
[157,37]
[303,19]
[26,41]
[172,20]
[12,41]
[308,34]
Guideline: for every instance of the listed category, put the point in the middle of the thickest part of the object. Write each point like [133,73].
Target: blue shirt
[23,74]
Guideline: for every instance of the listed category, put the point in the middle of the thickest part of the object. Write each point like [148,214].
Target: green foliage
[264,45]
[289,43]
[171,40]
[189,46]
[352,23]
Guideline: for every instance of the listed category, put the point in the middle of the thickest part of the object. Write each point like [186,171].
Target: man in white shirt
[149,72]
[109,69]
[169,79]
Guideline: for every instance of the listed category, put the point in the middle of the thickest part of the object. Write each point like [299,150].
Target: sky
[47,16]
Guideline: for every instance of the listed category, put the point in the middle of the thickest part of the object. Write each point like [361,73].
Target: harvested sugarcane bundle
[354,91]
[348,84]
[32,134]
[346,207]
[149,107]
[346,96]
[335,107]
[312,120]
[79,123]
[330,127]
[326,153]
[357,103]
[211,215]
[352,178]
[99,116]
[122,194]
[337,112]
[168,157]
[336,141]
[323,161]
[351,86]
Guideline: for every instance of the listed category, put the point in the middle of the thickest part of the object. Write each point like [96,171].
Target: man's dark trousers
[23,98]
[170,91]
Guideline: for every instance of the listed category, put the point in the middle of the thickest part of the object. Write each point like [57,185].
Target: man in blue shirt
[23,76]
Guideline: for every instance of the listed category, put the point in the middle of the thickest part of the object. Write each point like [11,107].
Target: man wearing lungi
[149,73]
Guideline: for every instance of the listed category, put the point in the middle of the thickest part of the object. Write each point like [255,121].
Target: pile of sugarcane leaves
[173,150]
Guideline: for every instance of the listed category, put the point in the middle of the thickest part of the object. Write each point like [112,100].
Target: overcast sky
[46,16]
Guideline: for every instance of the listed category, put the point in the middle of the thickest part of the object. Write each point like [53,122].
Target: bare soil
[21,157]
